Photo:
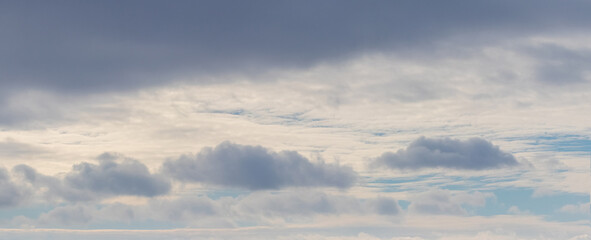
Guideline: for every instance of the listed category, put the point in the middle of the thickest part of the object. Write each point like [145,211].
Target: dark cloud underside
[82,46]
[129,177]
[256,168]
[113,176]
[472,154]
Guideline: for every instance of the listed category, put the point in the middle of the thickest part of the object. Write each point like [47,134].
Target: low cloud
[127,177]
[257,208]
[114,175]
[472,154]
[256,168]
[11,193]
[443,202]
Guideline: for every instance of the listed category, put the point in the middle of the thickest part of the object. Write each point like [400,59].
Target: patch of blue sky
[438,180]
[236,112]
[476,183]
[434,180]
[570,145]
[403,204]
[568,217]
[396,180]
[294,117]
[556,142]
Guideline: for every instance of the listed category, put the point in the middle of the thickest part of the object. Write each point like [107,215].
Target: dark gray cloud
[383,206]
[11,194]
[256,168]
[472,154]
[114,175]
[124,177]
[82,46]
[559,65]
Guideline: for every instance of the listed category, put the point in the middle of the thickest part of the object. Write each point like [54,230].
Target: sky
[295,119]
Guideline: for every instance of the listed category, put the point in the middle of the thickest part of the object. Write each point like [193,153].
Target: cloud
[582,208]
[300,203]
[560,65]
[257,209]
[11,194]
[113,176]
[444,202]
[472,154]
[109,45]
[67,216]
[11,148]
[127,177]
[256,168]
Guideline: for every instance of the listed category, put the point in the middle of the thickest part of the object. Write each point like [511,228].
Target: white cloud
[582,208]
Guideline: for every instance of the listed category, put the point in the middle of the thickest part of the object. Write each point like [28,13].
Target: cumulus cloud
[114,175]
[128,177]
[582,208]
[472,154]
[257,168]
[11,193]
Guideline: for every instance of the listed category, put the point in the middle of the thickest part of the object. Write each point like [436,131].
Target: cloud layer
[472,154]
[110,45]
[256,168]
[261,207]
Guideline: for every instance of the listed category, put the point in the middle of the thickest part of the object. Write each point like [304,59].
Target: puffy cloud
[11,194]
[113,176]
[256,168]
[128,177]
[472,154]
